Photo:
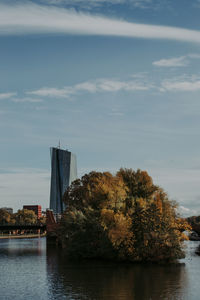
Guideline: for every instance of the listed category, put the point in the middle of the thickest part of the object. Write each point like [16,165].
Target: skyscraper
[63,172]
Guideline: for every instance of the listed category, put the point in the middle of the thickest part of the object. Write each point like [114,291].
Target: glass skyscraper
[63,172]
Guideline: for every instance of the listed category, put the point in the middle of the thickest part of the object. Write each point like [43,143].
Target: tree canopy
[6,217]
[25,217]
[123,216]
[21,217]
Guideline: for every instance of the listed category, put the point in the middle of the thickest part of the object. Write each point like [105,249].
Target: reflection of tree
[103,280]
[15,248]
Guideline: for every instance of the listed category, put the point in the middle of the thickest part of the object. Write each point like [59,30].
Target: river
[28,270]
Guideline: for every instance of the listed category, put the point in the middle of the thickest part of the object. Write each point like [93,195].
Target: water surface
[30,271]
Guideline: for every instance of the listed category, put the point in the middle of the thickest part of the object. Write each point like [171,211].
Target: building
[36,208]
[63,172]
[8,209]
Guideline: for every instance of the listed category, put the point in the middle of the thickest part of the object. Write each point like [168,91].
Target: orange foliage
[124,217]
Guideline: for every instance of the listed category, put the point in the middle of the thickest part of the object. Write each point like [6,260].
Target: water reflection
[27,264]
[22,247]
[23,269]
[103,280]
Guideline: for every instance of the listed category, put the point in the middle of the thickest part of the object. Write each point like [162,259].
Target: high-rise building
[63,172]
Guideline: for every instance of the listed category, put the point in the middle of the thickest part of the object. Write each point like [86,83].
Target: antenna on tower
[59,144]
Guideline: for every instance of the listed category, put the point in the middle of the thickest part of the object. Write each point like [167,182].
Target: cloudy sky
[116,81]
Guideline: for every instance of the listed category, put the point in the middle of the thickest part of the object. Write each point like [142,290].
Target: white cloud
[184,83]
[172,62]
[13,98]
[181,84]
[180,61]
[32,19]
[99,85]
[186,212]
[7,95]
[52,92]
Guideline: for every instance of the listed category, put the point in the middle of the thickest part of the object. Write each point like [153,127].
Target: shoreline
[24,236]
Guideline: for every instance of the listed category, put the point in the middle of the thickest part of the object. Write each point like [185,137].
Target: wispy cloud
[180,61]
[181,84]
[12,97]
[186,212]
[99,85]
[7,95]
[90,4]
[33,19]
[26,99]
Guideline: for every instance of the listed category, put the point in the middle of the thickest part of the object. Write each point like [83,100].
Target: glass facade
[63,172]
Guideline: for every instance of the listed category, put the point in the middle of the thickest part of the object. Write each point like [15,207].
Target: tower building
[63,172]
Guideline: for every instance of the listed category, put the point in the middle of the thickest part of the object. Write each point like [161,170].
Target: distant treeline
[22,217]
[195,223]
[122,217]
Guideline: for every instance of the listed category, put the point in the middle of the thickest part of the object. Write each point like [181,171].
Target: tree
[5,217]
[96,190]
[42,220]
[25,217]
[123,216]
[85,200]
[139,183]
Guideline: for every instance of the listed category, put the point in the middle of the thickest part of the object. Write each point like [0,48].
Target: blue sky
[116,81]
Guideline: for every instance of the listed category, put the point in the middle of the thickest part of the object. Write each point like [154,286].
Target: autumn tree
[25,217]
[123,216]
[5,217]
[139,183]
[88,202]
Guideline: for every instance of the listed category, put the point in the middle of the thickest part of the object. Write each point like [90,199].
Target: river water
[29,270]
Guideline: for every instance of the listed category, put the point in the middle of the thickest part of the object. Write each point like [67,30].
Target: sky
[117,82]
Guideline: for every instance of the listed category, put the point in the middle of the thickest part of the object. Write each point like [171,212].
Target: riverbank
[23,236]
